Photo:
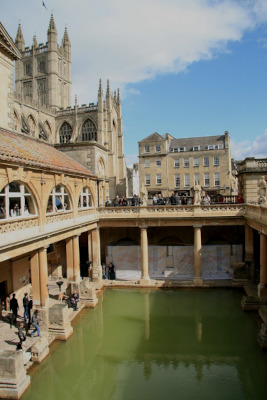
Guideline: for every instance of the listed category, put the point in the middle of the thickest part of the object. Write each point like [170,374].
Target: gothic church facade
[41,107]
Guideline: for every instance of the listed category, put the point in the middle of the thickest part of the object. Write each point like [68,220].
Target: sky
[187,67]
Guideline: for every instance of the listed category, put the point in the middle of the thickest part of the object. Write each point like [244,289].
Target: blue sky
[186,67]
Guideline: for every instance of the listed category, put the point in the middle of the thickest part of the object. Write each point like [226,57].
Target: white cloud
[256,148]
[130,41]
[131,159]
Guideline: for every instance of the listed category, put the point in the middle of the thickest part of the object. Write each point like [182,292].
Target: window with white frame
[147,179]
[206,161]
[16,201]
[181,149]
[219,146]
[176,163]
[186,180]
[196,148]
[147,148]
[206,179]
[157,148]
[196,179]
[211,147]
[216,160]
[186,162]
[217,179]
[158,179]
[85,199]
[147,163]
[58,200]
[158,162]
[177,181]
[196,162]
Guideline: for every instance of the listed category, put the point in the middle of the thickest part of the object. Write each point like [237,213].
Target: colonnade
[39,268]
[39,265]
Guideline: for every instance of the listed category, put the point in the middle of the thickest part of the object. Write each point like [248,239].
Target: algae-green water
[158,345]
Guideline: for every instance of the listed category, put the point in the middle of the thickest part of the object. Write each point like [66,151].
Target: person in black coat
[14,306]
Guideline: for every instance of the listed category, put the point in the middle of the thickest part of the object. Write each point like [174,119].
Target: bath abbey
[72,225]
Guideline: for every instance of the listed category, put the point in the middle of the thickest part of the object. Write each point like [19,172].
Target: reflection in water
[187,344]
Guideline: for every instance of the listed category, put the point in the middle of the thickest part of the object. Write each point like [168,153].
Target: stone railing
[17,224]
[219,210]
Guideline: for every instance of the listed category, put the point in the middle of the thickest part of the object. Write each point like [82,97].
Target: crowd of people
[29,321]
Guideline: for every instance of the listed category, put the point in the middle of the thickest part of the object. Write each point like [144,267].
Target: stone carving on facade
[262,190]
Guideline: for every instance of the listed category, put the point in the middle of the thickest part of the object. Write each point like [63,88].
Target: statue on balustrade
[262,190]
[143,195]
[197,193]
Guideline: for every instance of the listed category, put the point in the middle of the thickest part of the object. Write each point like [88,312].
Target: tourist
[26,306]
[29,312]
[15,211]
[108,202]
[104,276]
[14,306]
[22,336]
[239,199]
[35,323]
[111,271]
[74,300]
[206,199]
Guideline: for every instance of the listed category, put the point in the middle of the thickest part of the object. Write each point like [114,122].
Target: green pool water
[158,345]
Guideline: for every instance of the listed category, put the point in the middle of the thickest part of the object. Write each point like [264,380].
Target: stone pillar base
[13,378]
[59,323]
[145,281]
[198,282]
[262,290]
[97,274]
[87,294]
[40,350]
[250,303]
[262,337]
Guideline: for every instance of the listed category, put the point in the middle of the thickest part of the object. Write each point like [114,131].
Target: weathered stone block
[59,323]
[87,294]
[40,350]
[262,337]
[250,303]
[13,378]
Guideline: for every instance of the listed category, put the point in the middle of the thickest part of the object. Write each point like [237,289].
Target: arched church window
[58,200]
[16,201]
[89,131]
[65,133]
[85,199]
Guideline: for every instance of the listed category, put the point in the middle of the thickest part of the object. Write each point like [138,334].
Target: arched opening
[65,133]
[16,200]
[85,199]
[88,132]
[32,125]
[59,200]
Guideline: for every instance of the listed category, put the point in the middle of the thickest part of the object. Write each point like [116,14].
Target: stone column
[249,251]
[90,254]
[262,287]
[69,258]
[97,270]
[144,256]
[76,258]
[44,297]
[35,277]
[197,255]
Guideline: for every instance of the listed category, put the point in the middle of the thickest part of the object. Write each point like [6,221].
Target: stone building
[41,107]
[168,165]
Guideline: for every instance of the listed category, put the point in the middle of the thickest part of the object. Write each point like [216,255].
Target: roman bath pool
[158,345]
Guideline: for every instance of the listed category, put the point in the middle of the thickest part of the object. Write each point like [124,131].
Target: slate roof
[202,141]
[154,137]
[34,153]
